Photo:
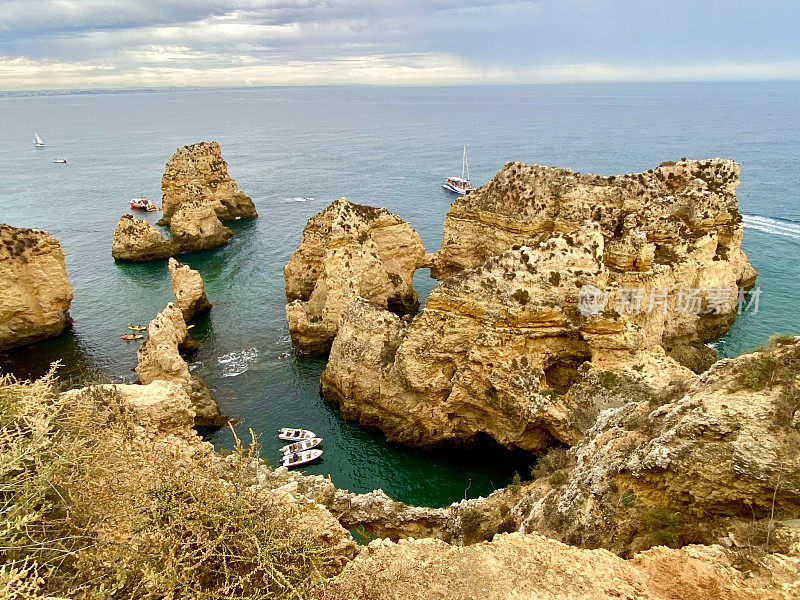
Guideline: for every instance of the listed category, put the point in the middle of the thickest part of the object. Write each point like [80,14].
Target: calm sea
[296,149]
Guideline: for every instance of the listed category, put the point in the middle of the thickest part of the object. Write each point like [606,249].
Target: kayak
[136,327]
[300,458]
[295,435]
[130,336]
[300,446]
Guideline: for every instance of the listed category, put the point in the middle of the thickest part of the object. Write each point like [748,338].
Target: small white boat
[295,435]
[37,141]
[142,203]
[60,161]
[300,446]
[460,185]
[300,458]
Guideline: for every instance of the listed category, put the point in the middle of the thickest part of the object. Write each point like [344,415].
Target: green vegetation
[93,509]
[551,462]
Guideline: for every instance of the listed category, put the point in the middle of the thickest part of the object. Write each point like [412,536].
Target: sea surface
[294,150]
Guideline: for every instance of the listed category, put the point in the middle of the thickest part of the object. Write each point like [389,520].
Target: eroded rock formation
[35,293]
[137,240]
[201,167]
[349,251]
[159,358]
[594,278]
[195,226]
[188,289]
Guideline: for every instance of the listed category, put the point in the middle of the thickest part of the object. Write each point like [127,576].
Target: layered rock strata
[35,294]
[188,289]
[349,251]
[201,167]
[136,240]
[159,358]
[195,226]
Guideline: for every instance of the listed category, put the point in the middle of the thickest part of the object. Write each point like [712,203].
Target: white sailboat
[37,141]
[460,185]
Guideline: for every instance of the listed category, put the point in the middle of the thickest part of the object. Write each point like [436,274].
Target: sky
[85,44]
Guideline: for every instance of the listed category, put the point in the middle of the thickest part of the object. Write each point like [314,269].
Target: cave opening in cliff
[563,372]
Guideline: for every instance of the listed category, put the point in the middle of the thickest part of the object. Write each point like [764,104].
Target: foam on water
[236,363]
[773,226]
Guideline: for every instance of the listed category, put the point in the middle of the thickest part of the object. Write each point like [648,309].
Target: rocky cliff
[201,166]
[188,289]
[35,293]
[349,251]
[195,226]
[159,358]
[137,240]
[630,274]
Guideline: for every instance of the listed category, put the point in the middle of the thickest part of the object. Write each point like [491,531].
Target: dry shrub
[91,507]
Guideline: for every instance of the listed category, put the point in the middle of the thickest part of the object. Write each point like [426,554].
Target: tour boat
[460,185]
[300,446]
[300,458]
[37,141]
[295,435]
[142,203]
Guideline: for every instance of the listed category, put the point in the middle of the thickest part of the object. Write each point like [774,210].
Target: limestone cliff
[159,358]
[195,226]
[137,240]
[201,166]
[188,289]
[349,251]
[495,351]
[35,293]
[724,446]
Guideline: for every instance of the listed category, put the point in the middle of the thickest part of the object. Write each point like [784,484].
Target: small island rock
[188,288]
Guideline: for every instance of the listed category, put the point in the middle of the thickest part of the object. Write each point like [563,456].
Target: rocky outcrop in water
[200,167]
[159,358]
[35,294]
[136,240]
[349,251]
[195,226]
[500,345]
[188,289]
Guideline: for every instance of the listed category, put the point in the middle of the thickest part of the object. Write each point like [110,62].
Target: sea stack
[35,294]
[159,358]
[136,240]
[547,277]
[188,288]
[349,251]
[202,167]
[195,225]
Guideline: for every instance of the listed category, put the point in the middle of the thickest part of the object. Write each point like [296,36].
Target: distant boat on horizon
[37,141]
[460,185]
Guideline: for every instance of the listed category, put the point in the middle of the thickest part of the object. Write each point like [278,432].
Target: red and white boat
[300,458]
[142,203]
[300,446]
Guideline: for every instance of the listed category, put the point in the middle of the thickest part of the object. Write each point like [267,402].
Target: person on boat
[295,456]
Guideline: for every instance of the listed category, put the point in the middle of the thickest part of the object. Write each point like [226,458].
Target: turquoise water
[296,149]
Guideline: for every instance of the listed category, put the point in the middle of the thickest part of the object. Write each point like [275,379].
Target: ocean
[293,150]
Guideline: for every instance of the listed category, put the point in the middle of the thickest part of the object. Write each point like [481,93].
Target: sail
[37,140]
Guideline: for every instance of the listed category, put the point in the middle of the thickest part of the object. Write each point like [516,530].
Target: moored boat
[300,446]
[300,458]
[460,185]
[295,435]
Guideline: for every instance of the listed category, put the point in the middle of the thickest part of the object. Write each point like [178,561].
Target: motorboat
[300,446]
[142,203]
[460,185]
[60,161]
[295,435]
[300,458]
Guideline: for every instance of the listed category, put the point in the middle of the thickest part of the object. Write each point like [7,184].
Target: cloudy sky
[141,43]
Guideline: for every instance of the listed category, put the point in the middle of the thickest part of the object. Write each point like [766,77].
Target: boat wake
[773,226]
[236,363]
[299,199]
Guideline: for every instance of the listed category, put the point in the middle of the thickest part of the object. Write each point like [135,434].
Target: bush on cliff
[93,508]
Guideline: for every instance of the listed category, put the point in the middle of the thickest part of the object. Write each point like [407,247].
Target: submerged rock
[35,294]
[201,167]
[159,358]
[137,240]
[349,251]
[195,226]
[188,289]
